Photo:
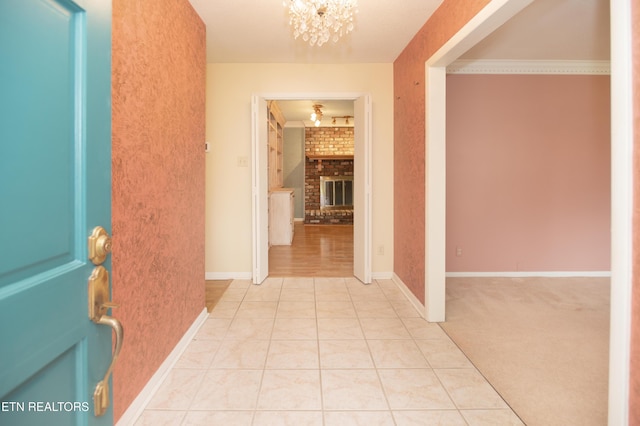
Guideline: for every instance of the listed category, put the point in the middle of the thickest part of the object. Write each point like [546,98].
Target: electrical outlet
[243,161]
[458,251]
[381,250]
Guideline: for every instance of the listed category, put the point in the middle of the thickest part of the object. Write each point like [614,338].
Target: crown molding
[503,66]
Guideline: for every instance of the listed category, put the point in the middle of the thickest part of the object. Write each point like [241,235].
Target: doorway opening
[494,15]
[314,161]
[358,261]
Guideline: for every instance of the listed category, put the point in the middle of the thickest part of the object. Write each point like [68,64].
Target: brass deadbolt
[99,245]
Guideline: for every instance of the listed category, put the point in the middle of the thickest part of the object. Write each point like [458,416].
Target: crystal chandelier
[319,20]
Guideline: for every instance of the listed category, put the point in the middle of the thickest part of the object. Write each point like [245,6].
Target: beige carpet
[542,342]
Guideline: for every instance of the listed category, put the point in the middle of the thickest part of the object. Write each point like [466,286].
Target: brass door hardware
[99,245]
[99,301]
[99,304]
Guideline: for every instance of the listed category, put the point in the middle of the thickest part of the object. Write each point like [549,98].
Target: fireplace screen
[336,191]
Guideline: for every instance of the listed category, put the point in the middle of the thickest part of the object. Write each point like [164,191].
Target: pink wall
[409,138]
[634,385]
[528,173]
[158,102]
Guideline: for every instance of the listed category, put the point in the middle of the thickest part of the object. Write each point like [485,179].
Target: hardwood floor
[316,251]
[213,292]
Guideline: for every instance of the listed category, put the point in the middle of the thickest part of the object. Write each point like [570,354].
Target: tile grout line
[353,296]
[264,366]
[373,361]
[322,397]
[257,399]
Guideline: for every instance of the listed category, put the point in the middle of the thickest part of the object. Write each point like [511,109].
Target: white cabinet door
[281,217]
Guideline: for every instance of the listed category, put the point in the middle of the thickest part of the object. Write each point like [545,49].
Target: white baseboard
[382,275]
[409,295]
[138,405]
[227,275]
[517,274]
[248,276]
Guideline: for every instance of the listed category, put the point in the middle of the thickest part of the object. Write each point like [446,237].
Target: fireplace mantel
[320,157]
[330,156]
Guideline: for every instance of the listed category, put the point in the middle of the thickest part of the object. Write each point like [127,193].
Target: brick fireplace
[329,153]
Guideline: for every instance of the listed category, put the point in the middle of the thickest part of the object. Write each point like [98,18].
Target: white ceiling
[300,111]
[246,31]
[551,30]
[257,31]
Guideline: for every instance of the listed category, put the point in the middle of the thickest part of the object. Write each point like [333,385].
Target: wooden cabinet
[276,143]
[281,211]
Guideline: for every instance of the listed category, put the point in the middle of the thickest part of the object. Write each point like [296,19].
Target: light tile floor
[322,351]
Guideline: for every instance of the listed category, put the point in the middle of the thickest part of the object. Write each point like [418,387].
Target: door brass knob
[99,245]
[99,304]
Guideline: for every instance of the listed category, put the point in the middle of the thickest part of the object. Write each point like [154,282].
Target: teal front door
[55,183]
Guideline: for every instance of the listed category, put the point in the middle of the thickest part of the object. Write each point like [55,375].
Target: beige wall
[228,188]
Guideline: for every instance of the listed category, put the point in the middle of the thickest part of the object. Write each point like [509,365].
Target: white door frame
[484,23]
[362,174]
[259,190]
[491,17]
[621,210]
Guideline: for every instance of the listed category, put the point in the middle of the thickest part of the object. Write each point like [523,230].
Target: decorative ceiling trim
[500,66]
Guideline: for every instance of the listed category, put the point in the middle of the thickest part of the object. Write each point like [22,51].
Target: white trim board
[142,400]
[409,295]
[382,275]
[227,275]
[503,66]
[622,145]
[247,275]
[519,274]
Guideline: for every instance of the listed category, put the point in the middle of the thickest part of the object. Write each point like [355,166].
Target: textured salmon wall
[634,385]
[409,138]
[158,95]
